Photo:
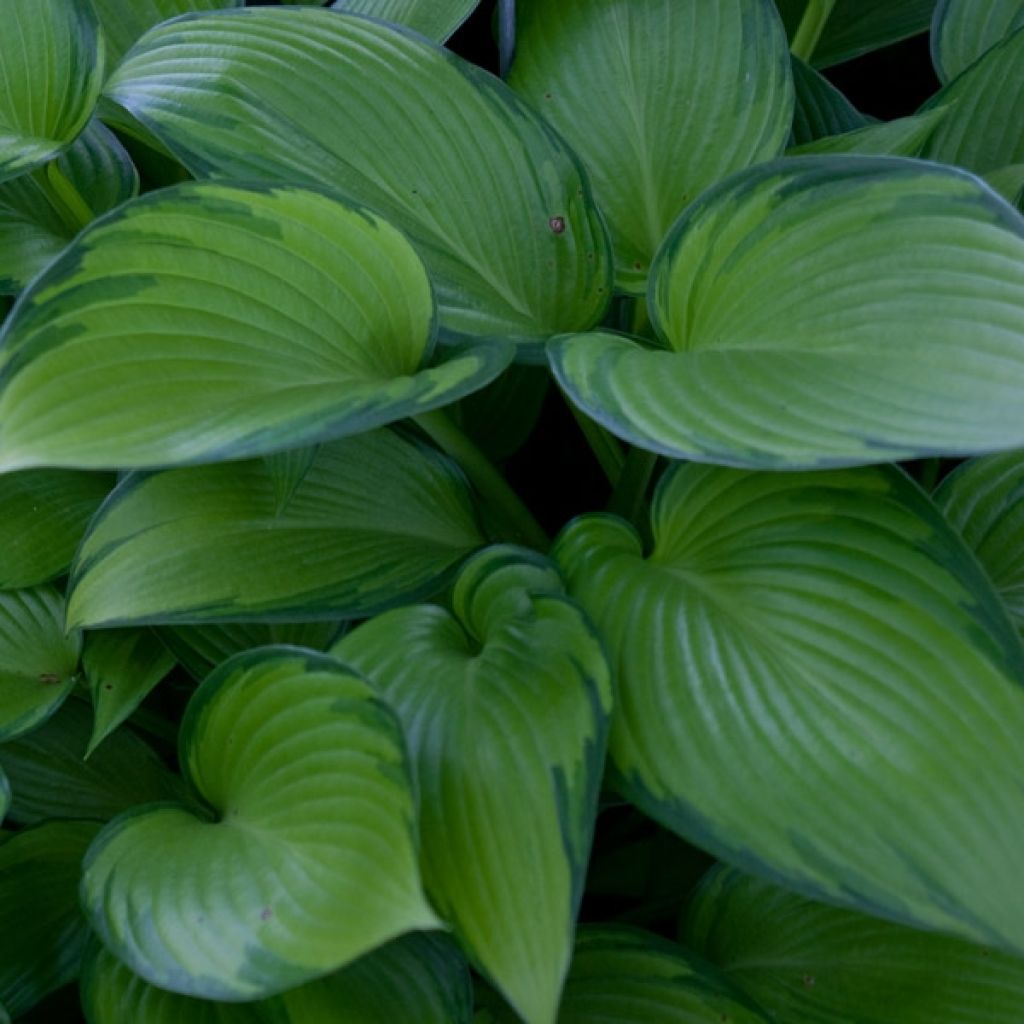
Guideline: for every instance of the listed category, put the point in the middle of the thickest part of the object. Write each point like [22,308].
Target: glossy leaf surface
[435,19]
[963,30]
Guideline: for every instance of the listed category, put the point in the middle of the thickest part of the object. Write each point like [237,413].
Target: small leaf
[505,707]
[308,859]
[814,964]
[387,518]
[821,109]
[797,300]
[962,31]
[52,58]
[817,682]
[436,19]
[42,931]
[905,136]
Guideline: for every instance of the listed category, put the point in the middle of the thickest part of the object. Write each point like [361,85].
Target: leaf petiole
[813,23]
[74,210]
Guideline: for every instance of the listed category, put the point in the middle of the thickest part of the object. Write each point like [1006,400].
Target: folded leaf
[817,682]
[809,963]
[256,319]
[823,311]
[378,519]
[821,109]
[436,19]
[906,136]
[5,797]
[646,91]
[493,200]
[308,859]
[505,708]
[963,30]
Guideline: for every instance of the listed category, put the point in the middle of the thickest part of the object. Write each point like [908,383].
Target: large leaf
[51,56]
[51,778]
[209,321]
[646,91]
[984,500]
[816,681]
[821,109]
[37,658]
[436,19]
[823,311]
[984,129]
[493,200]
[808,963]
[377,519]
[43,514]
[505,706]
[42,931]
[963,30]
[308,858]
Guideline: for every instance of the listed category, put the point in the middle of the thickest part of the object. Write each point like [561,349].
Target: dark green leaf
[964,30]
[821,109]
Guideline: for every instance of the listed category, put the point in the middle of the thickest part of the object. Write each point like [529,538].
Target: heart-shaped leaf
[821,109]
[257,319]
[436,19]
[51,53]
[809,963]
[387,517]
[963,30]
[795,303]
[308,859]
[816,681]
[42,931]
[906,136]
[984,500]
[37,658]
[505,706]
[493,200]
[646,91]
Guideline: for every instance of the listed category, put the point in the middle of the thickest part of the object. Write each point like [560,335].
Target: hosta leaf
[797,300]
[436,19]
[259,319]
[5,796]
[808,963]
[494,202]
[51,54]
[817,682]
[984,129]
[50,777]
[504,705]
[386,518]
[309,860]
[1009,183]
[984,500]
[43,514]
[906,136]
[963,30]
[821,109]
[37,658]
[42,931]
[646,91]
[288,470]
[501,417]
[121,667]
[420,977]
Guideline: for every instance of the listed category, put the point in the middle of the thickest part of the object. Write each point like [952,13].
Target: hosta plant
[511,512]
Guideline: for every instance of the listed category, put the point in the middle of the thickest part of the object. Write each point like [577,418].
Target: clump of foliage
[305,717]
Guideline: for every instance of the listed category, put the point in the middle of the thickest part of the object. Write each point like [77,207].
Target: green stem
[605,447]
[490,484]
[631,492]
[813,23]
[73,207]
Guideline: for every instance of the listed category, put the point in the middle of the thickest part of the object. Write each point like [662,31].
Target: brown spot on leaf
[49,678]
[266,914]
[557,225]
[809,980]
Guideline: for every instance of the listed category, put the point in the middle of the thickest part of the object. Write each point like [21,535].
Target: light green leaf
[288,470]
[808,963]
[42,931]
[51,56]
[43,514]
[308,860]
[259,319]
[823,311]
[493,200]
[964,30]
[646,91]
[984,129]
[791,637]
[50,777]
[387,518]
[37,658]
[420,977]
[505,707]
[906,136]
[984,501]
[436,19]
[121,667]
[821,109]
[1009,183]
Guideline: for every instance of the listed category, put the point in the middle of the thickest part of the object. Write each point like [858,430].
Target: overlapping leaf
[816,681]
[823,311]
[211,321]
[436,19]
[647,93]
[505,706]
[377,519]
[493,200]
[821,109]
[308,860]
[906,136]
[963,30]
